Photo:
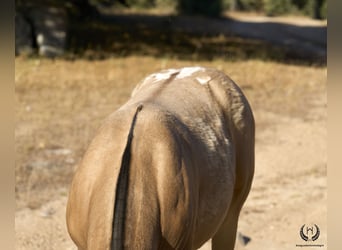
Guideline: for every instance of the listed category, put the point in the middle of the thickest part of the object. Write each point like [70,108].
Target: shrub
[316,9]
[166,3]
[141,3]
[212,8]
[277,7]
[251,5]
[324,9]
[243,5]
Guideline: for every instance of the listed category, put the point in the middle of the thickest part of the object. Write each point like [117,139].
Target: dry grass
[59,105]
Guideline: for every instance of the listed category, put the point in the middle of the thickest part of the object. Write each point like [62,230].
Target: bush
[300,4]
[243,5]
[211,8]
[251,5]
[141,3]
[324,9]
[316,9]
[277,7]
[226,4]
[166,3]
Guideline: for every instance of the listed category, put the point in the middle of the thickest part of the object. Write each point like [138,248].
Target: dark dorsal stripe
[118,227]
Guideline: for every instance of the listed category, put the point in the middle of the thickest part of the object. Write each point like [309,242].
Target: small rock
[59,151]
[70,160]
[243,239]
[41,145]
[47,212]
[40,164]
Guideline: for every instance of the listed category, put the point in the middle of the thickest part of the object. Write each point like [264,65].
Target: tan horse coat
[190,171]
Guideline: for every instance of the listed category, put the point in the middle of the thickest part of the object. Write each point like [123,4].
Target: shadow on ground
[196,38]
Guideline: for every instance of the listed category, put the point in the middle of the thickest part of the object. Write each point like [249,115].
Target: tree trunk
[317,9]
[235,5]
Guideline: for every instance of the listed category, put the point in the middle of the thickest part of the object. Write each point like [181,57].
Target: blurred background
[185,28]
[78,60]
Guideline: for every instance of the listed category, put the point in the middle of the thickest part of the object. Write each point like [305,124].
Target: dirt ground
[59,105]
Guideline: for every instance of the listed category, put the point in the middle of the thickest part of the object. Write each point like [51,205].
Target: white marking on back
[188,71]
[181,74]
[203,79]
[164,75]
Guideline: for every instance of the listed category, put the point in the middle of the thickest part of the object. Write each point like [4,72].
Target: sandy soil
[289,187]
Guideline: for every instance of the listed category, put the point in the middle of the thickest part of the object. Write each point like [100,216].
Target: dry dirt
[59,105]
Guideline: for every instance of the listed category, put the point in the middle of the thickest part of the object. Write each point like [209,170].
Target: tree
[317,9]
[235,5]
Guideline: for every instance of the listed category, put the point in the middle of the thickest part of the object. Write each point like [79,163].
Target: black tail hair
[118,226]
